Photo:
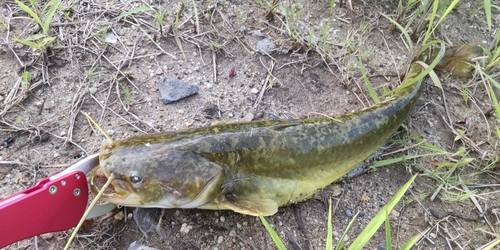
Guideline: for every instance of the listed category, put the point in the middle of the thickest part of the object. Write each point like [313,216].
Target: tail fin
[458,60]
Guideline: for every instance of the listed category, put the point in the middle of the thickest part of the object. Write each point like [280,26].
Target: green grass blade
[446,12]
[432,75]
[340,245]
[29,43]
[409,80]
[30,12]
[412,242]
[48,18]
[196,19]
[277,241]
[329,235]
[492,245]
[403,30]
[427,145]
[368,84]
[487,11]
[388,240]
[428,33]
[48,40]
[36,37]
[133,11]
[390,161]
[494,58]
[375,223]
[492,93]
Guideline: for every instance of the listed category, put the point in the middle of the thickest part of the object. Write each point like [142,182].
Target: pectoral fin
[253,207]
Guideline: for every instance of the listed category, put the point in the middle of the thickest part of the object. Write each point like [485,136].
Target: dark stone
[45,137]
[211,110]
[7,141]
[382,247]
[173,89]
[272,116]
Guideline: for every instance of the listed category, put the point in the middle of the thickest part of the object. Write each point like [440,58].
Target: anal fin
[253,207]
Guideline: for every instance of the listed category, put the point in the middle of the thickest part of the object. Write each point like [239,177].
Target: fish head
[145,176]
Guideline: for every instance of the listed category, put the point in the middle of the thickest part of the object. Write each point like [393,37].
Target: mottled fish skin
[252,167]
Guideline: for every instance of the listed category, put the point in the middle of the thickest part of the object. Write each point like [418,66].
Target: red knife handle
[54,204]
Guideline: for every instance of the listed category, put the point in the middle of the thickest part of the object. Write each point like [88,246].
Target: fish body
[252,167]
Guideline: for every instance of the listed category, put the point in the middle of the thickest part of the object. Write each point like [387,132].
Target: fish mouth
[117,188]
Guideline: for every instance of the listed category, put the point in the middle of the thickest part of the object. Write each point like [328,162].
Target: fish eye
[135,178]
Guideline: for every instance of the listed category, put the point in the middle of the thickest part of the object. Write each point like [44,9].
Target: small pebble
[110,132]
[243,30]
[47,236]
[185,228]
[111,38]
[137,246]
[251,85]
[257,33]
[222,219]
[92,90]
[265,46]
[395,213]
[428,131]
[348,213]
[220,239]
[248,117]
[361,214]
[255,91]
[119,216]
[63,133]
[141,51]
[159,71]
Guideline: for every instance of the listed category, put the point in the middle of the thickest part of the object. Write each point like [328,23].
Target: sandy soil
[81,72]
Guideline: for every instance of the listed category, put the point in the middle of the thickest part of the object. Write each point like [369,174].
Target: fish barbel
[257,166]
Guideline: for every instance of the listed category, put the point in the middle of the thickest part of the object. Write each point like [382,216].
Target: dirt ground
[43,130]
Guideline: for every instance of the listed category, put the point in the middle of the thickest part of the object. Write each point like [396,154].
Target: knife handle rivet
[52,189]
[77,176]
[77,192]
